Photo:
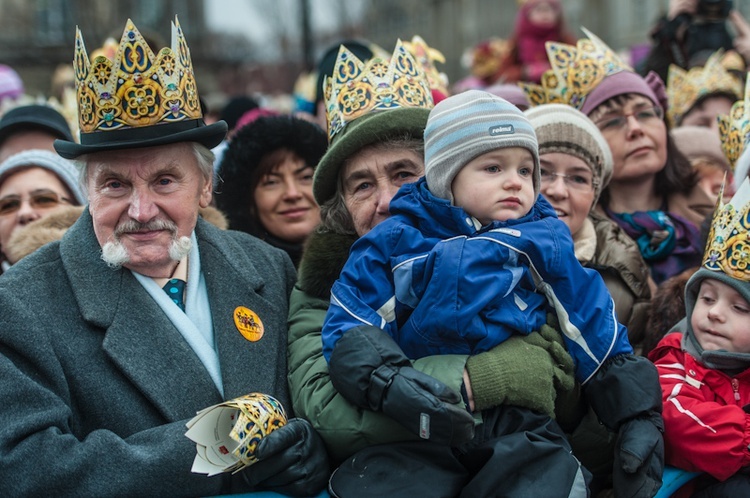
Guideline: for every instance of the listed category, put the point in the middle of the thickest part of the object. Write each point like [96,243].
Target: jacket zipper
[736,389]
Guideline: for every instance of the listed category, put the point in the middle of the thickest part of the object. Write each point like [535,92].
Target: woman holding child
[354,184]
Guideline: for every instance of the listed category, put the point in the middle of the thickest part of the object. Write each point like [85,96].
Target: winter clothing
[112,394]
[367,130]
[625,82]
[34,117]
[65,170]
[464,127]
[606,248]
[347,429]
[706,426]
[526,58]
[11,86]
[239,173]
[483,467]
[562,128]
[425,277]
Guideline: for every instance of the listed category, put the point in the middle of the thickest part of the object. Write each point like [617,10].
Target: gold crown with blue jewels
[137,88]
[728,245]
[575,71]
[734,128]
[358,88]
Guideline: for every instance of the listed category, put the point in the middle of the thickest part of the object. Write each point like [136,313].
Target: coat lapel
[233,281]
[138,337]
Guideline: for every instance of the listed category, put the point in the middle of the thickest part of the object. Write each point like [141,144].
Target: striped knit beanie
[467,125]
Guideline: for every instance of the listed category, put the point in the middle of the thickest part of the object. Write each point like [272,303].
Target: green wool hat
[366,130]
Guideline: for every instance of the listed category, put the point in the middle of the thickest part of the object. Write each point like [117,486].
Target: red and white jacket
[705,426]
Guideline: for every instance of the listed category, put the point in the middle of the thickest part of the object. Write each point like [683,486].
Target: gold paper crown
[136,89]
[685,88]
[734,128]
[426,56]
[728,247]
[575,72]
[358,88]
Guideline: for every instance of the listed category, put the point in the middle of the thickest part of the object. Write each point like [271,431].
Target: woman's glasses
[37,200]
[579,181]
[644,116]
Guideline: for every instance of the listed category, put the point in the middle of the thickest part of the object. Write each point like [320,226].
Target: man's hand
[291,460]
[369,369]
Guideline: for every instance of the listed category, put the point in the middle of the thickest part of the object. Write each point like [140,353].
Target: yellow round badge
[248,323]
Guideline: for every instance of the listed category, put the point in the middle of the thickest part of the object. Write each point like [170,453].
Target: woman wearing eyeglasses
[575,165]
[653,194]
[33,184]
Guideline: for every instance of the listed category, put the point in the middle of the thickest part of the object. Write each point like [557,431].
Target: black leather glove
[292,460]
[369,369]
[626,396]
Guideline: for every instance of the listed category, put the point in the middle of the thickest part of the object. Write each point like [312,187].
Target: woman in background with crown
[653,194]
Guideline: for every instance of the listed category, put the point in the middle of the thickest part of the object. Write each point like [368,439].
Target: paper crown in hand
[734,128]
[728,246]
[576,71]
[685,88]
[358,88]
[138,99]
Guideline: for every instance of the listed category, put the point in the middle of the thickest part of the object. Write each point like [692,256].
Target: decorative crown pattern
[728,247]
[575,72]
[427,56]
[684,88]
[358,88]
[734,128]
[136,89]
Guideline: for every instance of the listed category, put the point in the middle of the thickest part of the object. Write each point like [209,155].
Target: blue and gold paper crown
[358,88]
[685,88]
[137,88]
[734,128]
[728,246]
[576,71]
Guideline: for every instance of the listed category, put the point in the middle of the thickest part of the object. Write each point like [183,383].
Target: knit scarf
[668,243]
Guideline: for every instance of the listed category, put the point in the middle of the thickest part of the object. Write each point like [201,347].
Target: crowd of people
[534,282]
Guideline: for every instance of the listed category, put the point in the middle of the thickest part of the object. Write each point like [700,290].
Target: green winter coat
[344,427]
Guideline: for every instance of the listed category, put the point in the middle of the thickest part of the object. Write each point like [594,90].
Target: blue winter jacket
[439,284]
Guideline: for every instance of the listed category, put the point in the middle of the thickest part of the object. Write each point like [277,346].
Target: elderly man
[101,368]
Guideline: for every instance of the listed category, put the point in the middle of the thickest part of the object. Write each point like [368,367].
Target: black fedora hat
[138,99]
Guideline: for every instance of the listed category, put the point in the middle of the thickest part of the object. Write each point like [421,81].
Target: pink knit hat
[625,82]
[11,86]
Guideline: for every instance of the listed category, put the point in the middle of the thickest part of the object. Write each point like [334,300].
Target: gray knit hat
[467,125]
[561,128]
[64,169]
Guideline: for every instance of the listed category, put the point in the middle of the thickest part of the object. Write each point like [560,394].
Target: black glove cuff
[380,380]
[625,387]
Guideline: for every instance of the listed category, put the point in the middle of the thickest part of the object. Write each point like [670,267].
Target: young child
[470,257]
[704,365]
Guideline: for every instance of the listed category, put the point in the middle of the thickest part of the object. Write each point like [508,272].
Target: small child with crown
[472,257]
[704,362]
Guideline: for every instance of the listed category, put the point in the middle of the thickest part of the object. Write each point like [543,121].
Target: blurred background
[260,47]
